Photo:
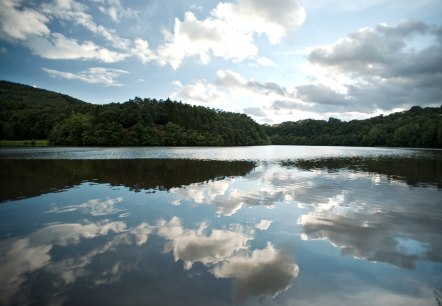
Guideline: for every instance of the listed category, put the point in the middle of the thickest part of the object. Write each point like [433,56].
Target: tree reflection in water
[221,232]
[32,177]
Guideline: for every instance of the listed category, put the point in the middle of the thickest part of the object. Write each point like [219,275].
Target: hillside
[31,113]
[417,127]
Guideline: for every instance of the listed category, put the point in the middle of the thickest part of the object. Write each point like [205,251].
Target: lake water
[275,225]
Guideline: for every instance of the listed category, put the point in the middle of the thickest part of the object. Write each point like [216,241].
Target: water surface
[220,226]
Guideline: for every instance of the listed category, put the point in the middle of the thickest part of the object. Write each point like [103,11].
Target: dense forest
[29,113]
[417,127]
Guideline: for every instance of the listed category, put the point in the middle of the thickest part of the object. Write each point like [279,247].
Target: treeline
[417,127]
[29,113]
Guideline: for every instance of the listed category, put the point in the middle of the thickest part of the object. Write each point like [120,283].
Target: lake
[272,225]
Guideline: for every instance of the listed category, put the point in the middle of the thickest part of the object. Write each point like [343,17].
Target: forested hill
[31,113]
[417,127]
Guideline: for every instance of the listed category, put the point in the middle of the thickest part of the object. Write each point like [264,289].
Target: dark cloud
[233,80]
[370,51]
[284,104]
[389,68]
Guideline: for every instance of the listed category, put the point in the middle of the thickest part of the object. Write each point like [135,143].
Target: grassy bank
[24,143]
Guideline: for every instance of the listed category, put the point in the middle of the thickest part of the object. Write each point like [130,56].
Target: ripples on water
[220,226]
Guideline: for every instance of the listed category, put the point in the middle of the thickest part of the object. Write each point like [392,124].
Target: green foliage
[418,127]
[24,143]
[30,113]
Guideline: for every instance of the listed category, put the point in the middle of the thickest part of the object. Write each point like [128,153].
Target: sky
[274,60]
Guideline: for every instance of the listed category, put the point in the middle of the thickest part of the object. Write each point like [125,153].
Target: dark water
[220,226]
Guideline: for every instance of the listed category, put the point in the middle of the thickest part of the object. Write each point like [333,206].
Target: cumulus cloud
[94,75]
[264,61]
[192,37]
[375,51]
[199,92]
[274,19]
[232,86]
[233,80]
[229,31]
[192,246]
[30,27]
[253,272]
[143,51]
[383,66]
[17,22]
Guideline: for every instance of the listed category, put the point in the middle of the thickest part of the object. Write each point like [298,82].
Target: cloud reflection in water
[262,272]
[22,256]
[228,255]
[195,246]
[359,205]
[159,249]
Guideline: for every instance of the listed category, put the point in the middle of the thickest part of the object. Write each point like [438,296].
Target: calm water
[220,226]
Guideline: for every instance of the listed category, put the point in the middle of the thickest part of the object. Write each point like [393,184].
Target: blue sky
[274,60]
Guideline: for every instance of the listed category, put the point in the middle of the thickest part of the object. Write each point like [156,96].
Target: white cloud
[20,259]
[94,207]
[18,22]
[29,254]
[252,273]
[200,193]
[75,12]
[275,19]
[30,27]
[233,87]
[72,233]
[267,62]
[94,75]
[229,31]
[192,246]
[193,37]
[57,46]
[116,10]
[200,92]
[264,225]
[142,51]
[234,80]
